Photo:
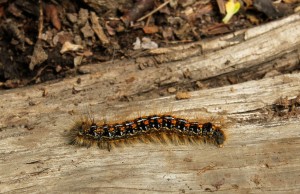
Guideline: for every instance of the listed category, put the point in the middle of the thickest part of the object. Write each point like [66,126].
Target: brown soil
[31,43]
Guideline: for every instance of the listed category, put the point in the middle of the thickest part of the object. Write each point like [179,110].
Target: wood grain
[261,154]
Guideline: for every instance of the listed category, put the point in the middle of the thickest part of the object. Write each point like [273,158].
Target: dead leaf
[52,14]
[253,19]
[218,28]
[67,46]
[14,10]
[87,31]
[82,17]
[150,29]
[146,43]
[249,3]
[1,11]
[39,55]
[98,29]
[221,6]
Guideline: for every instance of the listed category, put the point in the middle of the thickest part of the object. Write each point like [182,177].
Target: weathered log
[261,153]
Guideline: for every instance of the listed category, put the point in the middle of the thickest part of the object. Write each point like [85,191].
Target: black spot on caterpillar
[146,129]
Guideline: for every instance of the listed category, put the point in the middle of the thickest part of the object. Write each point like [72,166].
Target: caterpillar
[146,129]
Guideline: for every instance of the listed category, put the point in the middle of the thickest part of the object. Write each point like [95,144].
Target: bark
[261,153]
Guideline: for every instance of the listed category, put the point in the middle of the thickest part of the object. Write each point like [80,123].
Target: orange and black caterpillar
[153,128]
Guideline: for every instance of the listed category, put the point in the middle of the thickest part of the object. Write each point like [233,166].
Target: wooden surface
[261,154]
[257,157]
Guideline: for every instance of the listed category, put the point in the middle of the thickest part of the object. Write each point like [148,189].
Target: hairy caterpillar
[146,129]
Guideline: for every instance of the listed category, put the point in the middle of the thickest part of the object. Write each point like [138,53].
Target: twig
[41,20]
[155,10]
[98,29]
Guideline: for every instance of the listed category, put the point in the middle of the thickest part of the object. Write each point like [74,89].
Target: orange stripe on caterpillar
[153,128]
